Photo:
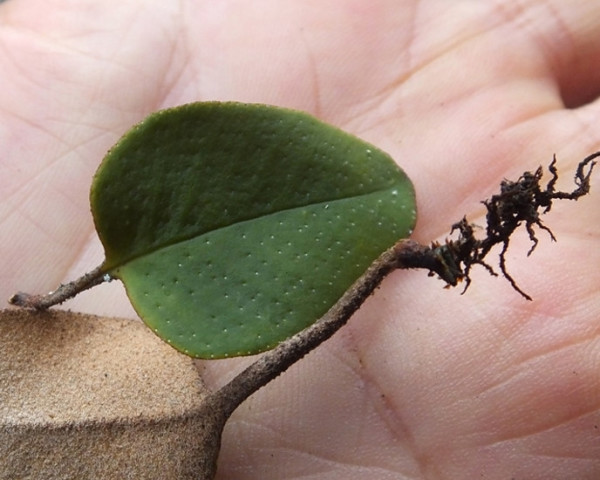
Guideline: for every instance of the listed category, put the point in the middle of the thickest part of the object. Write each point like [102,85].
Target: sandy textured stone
[84,397]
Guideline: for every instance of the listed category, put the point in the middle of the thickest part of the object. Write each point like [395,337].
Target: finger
[496,107]
[566,35]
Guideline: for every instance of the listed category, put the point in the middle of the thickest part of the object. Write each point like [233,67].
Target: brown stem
[405,254]
[62,293]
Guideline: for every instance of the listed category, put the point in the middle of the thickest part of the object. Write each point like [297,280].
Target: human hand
[422,383]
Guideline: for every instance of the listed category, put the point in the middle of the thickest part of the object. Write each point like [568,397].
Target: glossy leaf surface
[234,226]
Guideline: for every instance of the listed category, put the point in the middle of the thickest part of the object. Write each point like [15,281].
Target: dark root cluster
[518,203]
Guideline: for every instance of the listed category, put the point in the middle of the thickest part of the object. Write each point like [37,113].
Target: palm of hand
[422,383]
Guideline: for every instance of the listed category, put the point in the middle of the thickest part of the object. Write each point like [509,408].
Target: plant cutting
[237,228]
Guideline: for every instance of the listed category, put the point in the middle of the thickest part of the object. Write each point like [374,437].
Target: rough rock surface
[85,397]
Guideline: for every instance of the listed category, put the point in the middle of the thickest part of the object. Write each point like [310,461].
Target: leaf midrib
[249,219]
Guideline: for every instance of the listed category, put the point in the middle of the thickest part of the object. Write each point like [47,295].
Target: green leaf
[234,226]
